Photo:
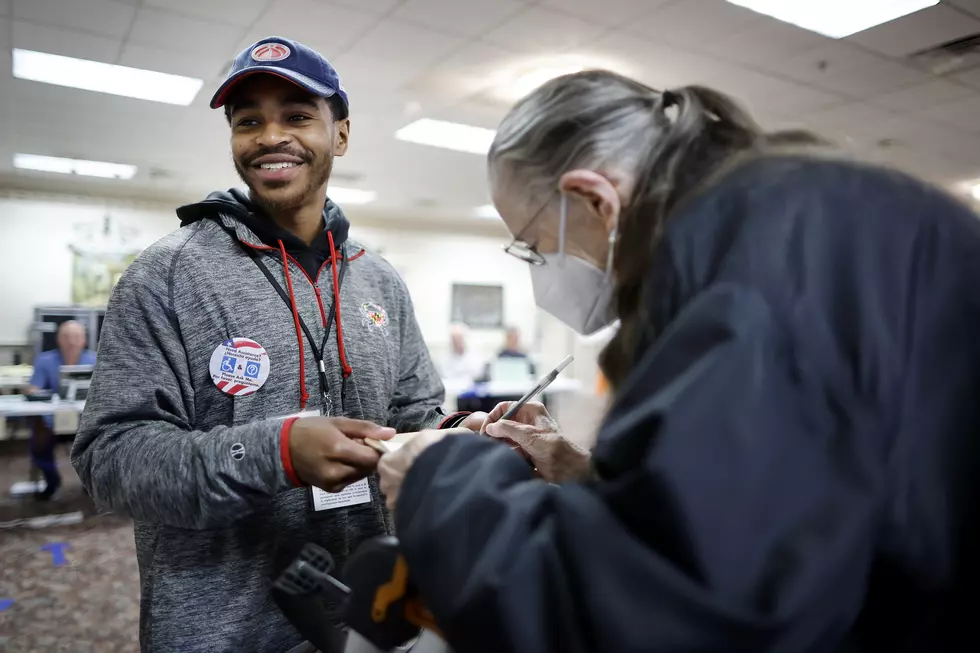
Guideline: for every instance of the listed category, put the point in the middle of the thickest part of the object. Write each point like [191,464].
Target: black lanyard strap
[317,351]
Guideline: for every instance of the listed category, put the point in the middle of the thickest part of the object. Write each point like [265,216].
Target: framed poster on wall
[478,306]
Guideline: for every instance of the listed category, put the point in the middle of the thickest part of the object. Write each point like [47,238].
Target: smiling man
[243,361]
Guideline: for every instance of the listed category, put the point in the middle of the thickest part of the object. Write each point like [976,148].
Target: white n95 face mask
[572,289]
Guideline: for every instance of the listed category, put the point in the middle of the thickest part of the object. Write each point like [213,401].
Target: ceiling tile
[96,16]
[971,6]
[920,131]
[195,37]
[611,13]
[693,21]
[651,61]
[921,30]
[922,96]
[4,7]
[232,12]
[315,29]
[962,114]
[406,44]
[28,36]
[368,6]
[763,41]
[763,93]
[855,121]
[139,56]
[970,77]
[844,68]
[467,71]
[544,30]
[453,17]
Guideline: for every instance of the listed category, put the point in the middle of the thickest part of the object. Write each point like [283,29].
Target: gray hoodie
[200,471]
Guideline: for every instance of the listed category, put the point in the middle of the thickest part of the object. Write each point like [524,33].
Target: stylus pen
[539,388]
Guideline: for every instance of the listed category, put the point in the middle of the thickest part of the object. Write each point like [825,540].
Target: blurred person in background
[791,456]
[461,364]
[512,344]
[71,350]
[244,360]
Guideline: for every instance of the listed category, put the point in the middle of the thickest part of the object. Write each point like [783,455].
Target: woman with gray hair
[790,459]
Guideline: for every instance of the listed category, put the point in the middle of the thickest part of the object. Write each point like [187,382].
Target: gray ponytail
[670,143]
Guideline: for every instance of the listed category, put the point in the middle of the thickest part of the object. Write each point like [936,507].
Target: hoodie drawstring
[303,394]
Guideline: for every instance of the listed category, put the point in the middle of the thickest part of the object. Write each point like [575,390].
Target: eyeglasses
[523,251]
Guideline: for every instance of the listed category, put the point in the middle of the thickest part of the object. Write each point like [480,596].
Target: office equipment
[74,381]
[539,388]
[47,319]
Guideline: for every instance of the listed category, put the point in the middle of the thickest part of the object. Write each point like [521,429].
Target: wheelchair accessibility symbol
[239,366]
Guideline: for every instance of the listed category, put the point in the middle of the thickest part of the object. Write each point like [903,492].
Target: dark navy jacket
[793,464]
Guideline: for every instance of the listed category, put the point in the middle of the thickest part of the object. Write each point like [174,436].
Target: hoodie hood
[238,204]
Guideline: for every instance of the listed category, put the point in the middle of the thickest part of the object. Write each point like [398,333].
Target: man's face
[283,141]
[71,339]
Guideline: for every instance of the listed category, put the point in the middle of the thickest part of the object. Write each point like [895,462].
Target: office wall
[38,232]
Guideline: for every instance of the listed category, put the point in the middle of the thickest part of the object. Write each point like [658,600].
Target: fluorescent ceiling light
[976,192]
[74,166]
[105,78]
[487,211]
[447,135]
[350,195]
[835,18]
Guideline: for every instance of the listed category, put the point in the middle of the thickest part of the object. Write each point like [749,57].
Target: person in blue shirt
[47,373]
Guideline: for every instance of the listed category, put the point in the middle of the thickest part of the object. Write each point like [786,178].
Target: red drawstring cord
[336,302]
[303,395]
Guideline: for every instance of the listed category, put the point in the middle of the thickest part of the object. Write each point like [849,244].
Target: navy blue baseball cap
[290,60]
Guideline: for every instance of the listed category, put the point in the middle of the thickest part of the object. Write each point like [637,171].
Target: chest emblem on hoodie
[375,316]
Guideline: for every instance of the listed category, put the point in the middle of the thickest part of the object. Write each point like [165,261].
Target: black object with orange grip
[379,601]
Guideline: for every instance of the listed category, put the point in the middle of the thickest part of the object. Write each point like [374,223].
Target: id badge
[352,495]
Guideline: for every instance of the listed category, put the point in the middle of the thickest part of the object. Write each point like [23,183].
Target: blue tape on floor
[57,550]
[5,603]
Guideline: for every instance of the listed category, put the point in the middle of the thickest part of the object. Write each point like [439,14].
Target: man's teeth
[277,166]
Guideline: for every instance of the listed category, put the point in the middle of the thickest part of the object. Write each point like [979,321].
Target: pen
[539,388]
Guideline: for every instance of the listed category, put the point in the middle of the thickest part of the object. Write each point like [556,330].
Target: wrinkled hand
[474,421]
[395,465]
[557,458]
[327,452]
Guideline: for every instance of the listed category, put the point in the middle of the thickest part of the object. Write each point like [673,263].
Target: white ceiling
[405,59]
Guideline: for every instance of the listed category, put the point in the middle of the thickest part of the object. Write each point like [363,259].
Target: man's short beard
[319,175]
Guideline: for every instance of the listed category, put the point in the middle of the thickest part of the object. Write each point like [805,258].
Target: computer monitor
[74,381]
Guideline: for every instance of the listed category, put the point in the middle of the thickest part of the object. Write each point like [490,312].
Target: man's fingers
[355,454]
[509,430]
[358,428]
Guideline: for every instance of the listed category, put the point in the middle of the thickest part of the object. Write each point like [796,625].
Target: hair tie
[668,99]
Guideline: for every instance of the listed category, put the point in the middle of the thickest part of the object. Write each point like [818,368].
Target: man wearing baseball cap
[244,359]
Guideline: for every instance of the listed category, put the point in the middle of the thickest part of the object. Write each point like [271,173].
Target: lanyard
[321,367]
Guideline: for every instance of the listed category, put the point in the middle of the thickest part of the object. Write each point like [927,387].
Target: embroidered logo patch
[374,315]
[270,52]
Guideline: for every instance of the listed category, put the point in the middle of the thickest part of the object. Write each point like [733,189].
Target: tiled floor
[87,604]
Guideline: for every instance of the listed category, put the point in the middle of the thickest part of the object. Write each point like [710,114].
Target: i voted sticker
[239,366]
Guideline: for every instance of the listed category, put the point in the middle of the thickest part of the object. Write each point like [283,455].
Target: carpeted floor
[71,588]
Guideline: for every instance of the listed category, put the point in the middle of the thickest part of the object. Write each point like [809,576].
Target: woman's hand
[393,466]
[557,458]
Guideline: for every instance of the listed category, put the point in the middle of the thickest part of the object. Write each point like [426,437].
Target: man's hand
[326,451]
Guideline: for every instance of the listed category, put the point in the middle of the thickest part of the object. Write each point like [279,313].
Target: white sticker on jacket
[239,366]
[353,495]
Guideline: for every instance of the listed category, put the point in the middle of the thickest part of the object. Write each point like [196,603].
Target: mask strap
[609,256]
[563,220]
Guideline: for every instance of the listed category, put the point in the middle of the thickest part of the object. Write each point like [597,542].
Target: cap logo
[270,52]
